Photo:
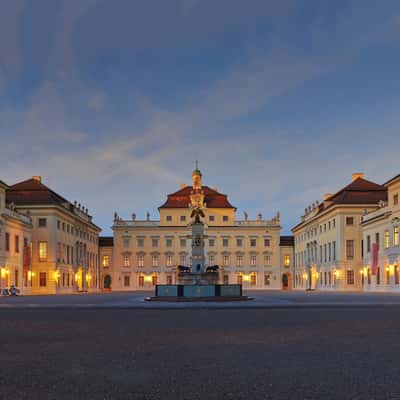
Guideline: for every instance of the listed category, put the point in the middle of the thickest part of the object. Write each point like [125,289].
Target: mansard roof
[181,198]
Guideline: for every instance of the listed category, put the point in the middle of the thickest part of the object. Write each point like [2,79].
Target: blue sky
[112,101]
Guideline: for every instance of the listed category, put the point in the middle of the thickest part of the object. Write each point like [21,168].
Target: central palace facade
[143,253]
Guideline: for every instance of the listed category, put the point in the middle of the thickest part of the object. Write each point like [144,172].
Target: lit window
[141,280]
[42,279]
[253,279]
[253,260]
[267,279]
[287,261]
[106,261]
[387,239]
[127,261]
[140,260]
[155,261]
[396,236]
[42,251]
[253,242]
[169,261]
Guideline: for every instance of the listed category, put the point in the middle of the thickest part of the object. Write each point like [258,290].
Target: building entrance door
[107,282]
[286,281]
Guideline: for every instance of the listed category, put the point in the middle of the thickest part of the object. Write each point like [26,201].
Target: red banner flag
[375,256]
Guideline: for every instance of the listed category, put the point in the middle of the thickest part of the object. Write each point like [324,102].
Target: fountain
[198,282]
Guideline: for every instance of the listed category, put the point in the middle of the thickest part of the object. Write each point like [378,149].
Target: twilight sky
[111,101]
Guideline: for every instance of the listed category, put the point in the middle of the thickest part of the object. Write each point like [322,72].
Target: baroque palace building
[381,241]
[15,246]
[143,253]
[329,245]
[62,236]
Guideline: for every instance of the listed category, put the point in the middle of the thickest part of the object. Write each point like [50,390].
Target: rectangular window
[286,261]
[140,261]
[58,225]
[239,242]
[42,251]
[183,218]
[387,276]
[240,279]
[225,218]
[253,242]
[211,242]
[169,279]
[226,279]
[127,243]
[155,261]
[127,260]
[154,242]
[267,260]
[42,279]
[42,222]
[183,242]
[169,218]
[154,280]
[16,244]
[267,242]
[211,260]
[225,261]
[334,251]
[253,279]
[127,281]
[225,242]
[211,218]
[349,220]
[330,278]
[140,242]
[387,240]
[253,260]
[239,261]
[325,253]
[350,249]
[267,279]
[334,223]
[350,277]
[330,252]
[378,276]
[168,242]
[7,241]
[396,199]
[320,254]
[141,280]
[368,244]
[396,236]
[169,260]
[182,259]
[396,275]
[106,261]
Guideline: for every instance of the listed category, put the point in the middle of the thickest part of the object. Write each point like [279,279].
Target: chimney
[327,196]
[183,185]
[37,178]
[357,175]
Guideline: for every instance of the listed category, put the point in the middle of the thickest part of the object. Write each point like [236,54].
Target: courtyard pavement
[261,299]
[265,353]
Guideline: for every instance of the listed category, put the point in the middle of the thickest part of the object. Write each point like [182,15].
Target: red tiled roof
[33,192]
[181,198]
[360,191]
